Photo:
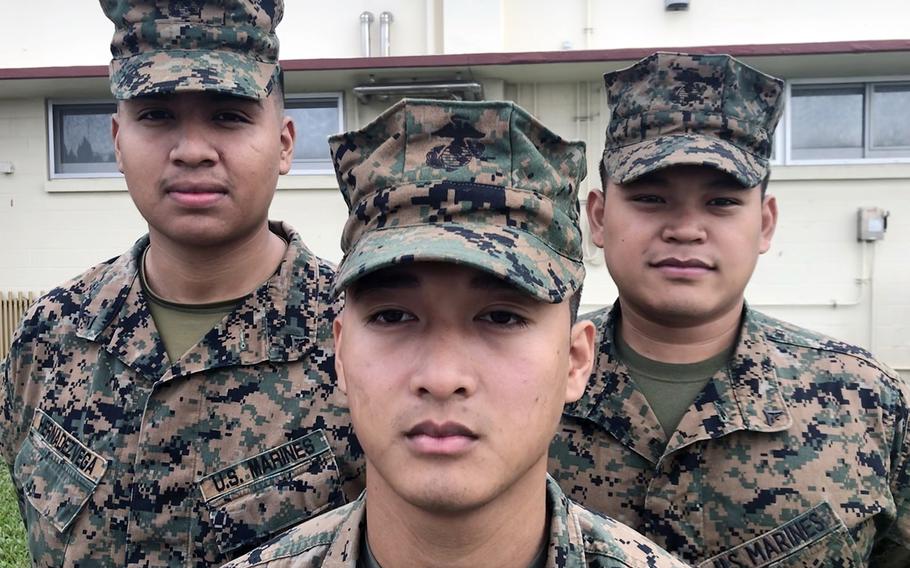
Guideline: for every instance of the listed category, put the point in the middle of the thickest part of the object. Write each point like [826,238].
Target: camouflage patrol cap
[161,46]
[673,109]
[483,184]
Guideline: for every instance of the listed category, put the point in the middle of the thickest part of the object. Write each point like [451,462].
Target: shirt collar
[743,395]
[279,321]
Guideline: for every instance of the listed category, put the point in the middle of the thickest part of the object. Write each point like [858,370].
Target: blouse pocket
[813,539]
[258,497]
[56,473]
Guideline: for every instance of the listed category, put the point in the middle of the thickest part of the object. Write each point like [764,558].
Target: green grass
[13,552]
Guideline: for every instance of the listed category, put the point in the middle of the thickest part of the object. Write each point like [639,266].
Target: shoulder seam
[828,349]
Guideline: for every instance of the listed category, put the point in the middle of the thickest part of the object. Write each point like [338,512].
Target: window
[79,139]
[890,120]
[80,145]
[316,117]
[849,121]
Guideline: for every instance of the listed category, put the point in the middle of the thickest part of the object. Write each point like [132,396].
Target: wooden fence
[12,308]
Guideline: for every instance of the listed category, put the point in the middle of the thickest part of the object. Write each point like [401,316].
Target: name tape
[277,459]
[68,447]
[797,533]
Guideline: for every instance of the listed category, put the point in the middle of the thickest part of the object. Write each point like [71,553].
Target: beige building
[843,144]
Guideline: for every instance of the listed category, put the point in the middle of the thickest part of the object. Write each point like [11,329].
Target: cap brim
[164,72]
[628,163]
[515,256]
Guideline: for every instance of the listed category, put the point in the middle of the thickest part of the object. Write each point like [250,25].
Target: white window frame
[779,143]
[329,168]
[867,121]
[51,140]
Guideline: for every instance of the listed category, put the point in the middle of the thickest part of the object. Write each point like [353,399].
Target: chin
[445,495]
[681,310]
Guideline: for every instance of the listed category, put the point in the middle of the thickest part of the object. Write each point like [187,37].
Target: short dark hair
[574,303]
[276,87]
[602,170]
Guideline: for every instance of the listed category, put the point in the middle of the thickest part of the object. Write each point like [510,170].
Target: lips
[196,195]
[440,439]
[673,262]
[443,430]
[683,269]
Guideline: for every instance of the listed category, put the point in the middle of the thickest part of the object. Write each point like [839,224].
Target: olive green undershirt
[669,388]
[181,326]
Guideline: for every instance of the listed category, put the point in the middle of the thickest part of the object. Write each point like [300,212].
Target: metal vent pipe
[366,22]
[385,32]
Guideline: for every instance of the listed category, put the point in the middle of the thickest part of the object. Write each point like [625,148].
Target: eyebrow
[226,98]
[726,182]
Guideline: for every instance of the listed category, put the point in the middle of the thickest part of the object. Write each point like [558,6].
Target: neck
[507,531]
[679,344]
[203,275]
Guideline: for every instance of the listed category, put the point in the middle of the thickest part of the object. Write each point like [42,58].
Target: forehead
[193,98]
[418,275]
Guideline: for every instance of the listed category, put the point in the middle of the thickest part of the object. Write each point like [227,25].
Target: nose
[684,226]
[446,369]
[193,146]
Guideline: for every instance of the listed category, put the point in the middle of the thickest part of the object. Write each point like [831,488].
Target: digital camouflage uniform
[796,452]
[578,538]
[123,457]
[482,184]
[798,446]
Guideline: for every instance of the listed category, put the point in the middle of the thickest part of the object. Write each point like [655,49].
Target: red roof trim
[584,56]
[521,58]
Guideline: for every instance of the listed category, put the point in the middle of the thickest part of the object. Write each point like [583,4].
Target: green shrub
[13,551]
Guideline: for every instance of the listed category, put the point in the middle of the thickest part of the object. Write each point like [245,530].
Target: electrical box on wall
[872,222]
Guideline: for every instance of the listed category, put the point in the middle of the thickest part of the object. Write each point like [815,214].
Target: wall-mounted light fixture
[676,5]
[6,168]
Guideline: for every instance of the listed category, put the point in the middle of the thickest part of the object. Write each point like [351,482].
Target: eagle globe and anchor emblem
[462,149]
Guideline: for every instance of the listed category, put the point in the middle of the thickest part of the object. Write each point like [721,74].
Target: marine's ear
[595,210]
[337,332]
[115,131]
[768,222]
[288,135]
[581,358]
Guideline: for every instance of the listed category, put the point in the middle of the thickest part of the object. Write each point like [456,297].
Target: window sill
[840,171]
[108,184]
[85,185]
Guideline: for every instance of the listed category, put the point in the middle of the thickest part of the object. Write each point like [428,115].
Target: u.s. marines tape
[788,540]
[272,461]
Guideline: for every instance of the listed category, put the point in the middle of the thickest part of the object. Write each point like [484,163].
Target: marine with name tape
[731,438]
[458,348]
[176,405]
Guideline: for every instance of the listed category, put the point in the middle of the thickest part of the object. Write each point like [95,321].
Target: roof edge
[510,58]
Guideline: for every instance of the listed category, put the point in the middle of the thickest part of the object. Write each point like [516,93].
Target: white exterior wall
[814,275]
[312,29]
